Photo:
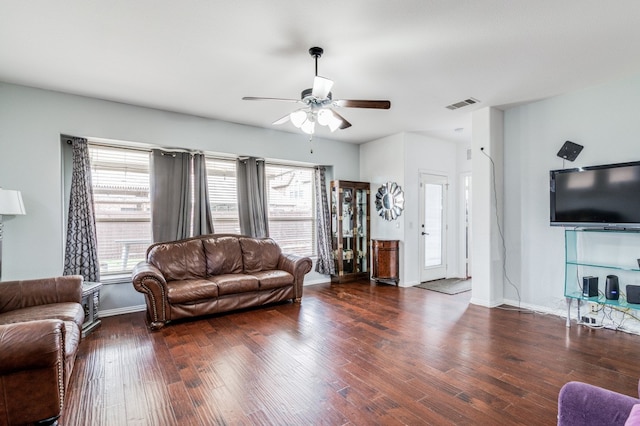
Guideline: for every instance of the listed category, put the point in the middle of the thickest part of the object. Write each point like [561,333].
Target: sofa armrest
[31,345]
[583,404]
[298,266]
[32,370]
[23,294]
[148,279]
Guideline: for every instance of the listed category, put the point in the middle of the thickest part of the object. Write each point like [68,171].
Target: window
[291,208]
[120,179]
[121,186]
[223,195]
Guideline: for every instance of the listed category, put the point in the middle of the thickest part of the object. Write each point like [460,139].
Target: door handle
[425,233]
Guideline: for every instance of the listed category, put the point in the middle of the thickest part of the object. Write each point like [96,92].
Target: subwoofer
[633,294]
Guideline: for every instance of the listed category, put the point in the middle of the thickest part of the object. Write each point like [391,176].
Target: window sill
[126,278]
[116,279]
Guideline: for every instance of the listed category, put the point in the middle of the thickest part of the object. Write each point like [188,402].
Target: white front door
[433,227]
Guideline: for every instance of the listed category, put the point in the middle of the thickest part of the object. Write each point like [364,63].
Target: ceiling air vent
[464,103]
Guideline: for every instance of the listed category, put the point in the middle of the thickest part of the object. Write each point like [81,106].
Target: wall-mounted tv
[597,196]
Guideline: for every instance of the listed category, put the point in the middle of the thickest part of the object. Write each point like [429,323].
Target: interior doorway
[433,226]
[466,222]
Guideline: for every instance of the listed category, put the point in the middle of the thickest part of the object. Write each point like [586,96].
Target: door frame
[428,274]
[465,239]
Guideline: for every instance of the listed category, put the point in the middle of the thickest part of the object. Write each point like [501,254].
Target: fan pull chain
[311,143]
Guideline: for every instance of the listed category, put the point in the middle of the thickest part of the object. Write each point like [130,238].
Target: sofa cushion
[634,416]
[259,254]
[223,255]
[180,260]
[66,311]
[235,283]
[184,291]
[273,279]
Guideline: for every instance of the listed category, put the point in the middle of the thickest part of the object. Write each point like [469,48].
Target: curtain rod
[207,155]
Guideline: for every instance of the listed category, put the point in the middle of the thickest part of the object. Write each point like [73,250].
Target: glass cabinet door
[350,229]
[361,231]
[348,223]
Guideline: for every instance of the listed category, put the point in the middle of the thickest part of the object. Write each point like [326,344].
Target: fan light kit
[318,104]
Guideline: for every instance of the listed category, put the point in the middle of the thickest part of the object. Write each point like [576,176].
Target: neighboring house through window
[291,208]
[123,209]
[223,195]
[122,206]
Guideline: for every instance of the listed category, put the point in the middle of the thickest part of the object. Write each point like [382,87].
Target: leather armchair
[40,330]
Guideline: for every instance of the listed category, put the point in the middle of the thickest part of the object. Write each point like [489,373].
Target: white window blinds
[120,179]
[291,208]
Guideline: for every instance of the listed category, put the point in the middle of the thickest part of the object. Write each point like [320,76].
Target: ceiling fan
[319,103]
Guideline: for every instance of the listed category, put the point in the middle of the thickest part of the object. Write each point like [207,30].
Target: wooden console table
[386,259]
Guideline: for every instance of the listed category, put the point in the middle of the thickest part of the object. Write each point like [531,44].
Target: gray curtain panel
[202,221]
[170,195]
[325,264]
[252,197]
[81,249]
[180,205]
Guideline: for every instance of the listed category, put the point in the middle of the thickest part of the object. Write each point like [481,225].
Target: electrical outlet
[593,308]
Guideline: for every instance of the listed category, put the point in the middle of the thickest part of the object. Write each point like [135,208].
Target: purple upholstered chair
[581,404]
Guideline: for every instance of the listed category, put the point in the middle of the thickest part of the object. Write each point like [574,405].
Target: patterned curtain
[252,197]
[81,251]
[325,264]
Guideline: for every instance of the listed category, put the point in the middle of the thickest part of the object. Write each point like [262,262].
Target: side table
[386,260]
[91,305]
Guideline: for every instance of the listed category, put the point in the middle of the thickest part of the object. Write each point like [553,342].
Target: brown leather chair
[40,330]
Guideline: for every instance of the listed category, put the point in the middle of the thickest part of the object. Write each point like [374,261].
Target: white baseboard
[122,311]
[537,308]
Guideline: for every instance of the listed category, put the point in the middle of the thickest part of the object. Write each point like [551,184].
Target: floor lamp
[10,205]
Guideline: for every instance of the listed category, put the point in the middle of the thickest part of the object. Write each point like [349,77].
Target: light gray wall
[428,155]
[604,119]
[402,158]
[31,122]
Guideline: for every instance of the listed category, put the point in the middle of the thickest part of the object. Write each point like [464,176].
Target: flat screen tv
[605,196]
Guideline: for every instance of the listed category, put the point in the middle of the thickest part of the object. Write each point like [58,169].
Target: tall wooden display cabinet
[350,225]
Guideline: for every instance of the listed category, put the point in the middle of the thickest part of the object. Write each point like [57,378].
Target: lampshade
[11,202]
[326,117]
[308,126]
[298,117]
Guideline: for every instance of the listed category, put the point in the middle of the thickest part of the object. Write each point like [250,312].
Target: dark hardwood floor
[357,354]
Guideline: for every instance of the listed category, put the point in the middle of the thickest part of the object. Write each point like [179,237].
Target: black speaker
[612,288]
[633,294]
[570,151]
[589,286]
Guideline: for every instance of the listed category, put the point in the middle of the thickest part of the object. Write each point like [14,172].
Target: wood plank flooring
[349,354]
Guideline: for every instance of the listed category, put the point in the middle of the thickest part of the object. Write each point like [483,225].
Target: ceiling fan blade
[345,124]
[254,98]
[321,87]
[281,120]
[353,103]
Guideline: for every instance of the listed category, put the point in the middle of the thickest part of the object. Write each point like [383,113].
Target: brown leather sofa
[216,273]
[40,330]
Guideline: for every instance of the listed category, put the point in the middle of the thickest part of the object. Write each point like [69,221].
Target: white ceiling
[201,57]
